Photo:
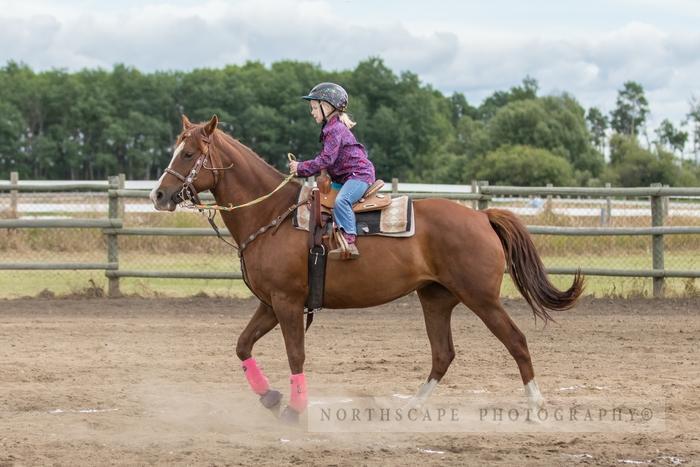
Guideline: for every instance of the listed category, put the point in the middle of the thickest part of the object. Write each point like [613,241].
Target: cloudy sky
[588,48]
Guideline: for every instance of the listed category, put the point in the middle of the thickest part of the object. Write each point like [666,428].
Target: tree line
[93,123]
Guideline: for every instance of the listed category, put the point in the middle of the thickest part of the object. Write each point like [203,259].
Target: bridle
[189,193]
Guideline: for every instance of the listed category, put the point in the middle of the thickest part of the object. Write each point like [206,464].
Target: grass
[617,287]
[14,284]
[678,261]
[94,284]
[209,254]
[603,286]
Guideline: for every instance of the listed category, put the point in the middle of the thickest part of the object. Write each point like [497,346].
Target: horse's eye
[188,155]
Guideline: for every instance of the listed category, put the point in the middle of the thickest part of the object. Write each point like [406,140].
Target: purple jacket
[343,157]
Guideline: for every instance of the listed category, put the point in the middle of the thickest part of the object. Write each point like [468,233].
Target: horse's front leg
[261,323]
[290,314]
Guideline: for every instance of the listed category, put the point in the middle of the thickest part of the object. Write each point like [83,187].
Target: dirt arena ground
[142,381]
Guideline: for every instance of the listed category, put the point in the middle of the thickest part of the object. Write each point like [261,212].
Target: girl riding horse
[342,156]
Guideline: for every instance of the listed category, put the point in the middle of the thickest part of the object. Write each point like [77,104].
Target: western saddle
[372,200]
[322,201]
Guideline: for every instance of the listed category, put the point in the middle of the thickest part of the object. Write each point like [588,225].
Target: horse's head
[184,177]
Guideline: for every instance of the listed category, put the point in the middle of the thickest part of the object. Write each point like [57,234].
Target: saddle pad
[396,220]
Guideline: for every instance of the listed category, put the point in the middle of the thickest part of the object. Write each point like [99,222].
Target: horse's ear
[211,126]
[186,124]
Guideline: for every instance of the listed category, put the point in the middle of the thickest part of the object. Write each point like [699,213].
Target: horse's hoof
[271,399]
[289,416]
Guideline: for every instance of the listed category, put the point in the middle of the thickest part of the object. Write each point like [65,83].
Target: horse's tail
[526,268]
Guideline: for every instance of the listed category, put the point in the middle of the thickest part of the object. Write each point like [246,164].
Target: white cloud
[476,59]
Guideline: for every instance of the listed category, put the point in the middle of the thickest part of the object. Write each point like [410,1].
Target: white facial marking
[177,151]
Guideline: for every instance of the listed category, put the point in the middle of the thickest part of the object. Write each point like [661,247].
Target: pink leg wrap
[257,380]
[299,398]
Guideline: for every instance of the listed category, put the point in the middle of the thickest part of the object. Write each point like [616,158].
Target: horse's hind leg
[502,326]
[260,324]
[437,303]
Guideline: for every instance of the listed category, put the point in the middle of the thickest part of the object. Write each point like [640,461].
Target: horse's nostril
[159,195]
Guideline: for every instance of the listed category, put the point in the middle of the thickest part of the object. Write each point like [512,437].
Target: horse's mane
[236,145]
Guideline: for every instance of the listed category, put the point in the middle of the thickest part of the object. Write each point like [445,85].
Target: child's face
[315,107]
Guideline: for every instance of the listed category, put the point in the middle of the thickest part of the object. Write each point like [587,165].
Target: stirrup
[345,250]
[351,253]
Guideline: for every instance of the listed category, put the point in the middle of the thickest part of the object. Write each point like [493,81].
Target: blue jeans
[350,193]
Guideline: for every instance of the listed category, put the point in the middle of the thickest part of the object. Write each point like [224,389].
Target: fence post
[113,239]
[657,241]
[475,203]
[483,203]
[394,186]
[120,201]
[608,207]
[14,180]
[548,201]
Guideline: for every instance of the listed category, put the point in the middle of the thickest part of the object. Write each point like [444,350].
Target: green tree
[690,174]
[260,128]
[524,166]
[92,113]
[470,138]
[387,143]
[444,167]
[94,123]
[499,99]
[11,131]
[555,123]
[631,109]
[693,118]
[425,118]
[376,82]
[597,125]
[632,165]
[670,137]
[459,108]
[20,88]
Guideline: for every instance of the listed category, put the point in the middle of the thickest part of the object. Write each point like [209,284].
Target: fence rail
[654,190]
[58,266]
[60,223]
[481,196]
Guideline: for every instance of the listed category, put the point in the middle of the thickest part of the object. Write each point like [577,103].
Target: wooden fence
[112,227]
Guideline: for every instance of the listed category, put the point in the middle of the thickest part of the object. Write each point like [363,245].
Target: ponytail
[345,118]
[329,111]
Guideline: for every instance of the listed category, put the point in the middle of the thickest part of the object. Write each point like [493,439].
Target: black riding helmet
[332,93]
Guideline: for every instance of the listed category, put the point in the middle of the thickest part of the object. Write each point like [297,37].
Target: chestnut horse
[457,255]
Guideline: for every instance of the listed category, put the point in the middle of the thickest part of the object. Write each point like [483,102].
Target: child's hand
[293,167]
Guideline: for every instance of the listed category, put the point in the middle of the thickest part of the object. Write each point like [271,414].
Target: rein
[276,222]
[189,193]
[230,207]
[215,207]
